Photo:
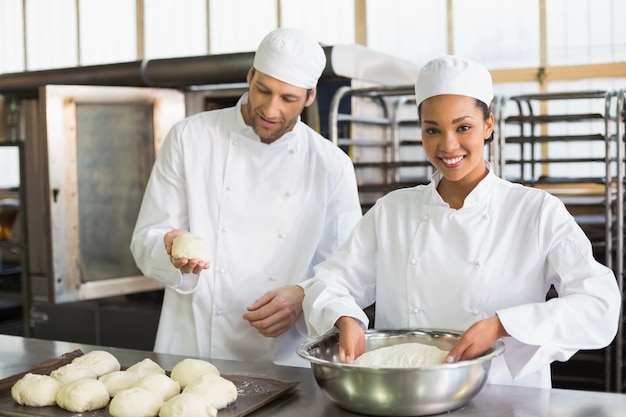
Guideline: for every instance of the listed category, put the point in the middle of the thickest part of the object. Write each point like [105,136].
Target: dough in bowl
[186,405]
[403,355]
[135,402]
[83,395]
[218,390]
[191,246]
[189,369]
[35,390]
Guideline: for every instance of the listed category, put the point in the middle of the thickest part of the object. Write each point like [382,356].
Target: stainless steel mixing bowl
[415,391]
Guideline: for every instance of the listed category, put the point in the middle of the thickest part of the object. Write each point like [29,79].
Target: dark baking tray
[253,393]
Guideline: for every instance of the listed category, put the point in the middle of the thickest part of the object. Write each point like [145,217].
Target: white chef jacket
[427,265]
[268,212]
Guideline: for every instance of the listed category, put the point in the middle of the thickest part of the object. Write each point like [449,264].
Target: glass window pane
[233,31]
[411,30]
[331,22]
[499,34]
[585,31]
[175,29]
[113,146]
[107,32]
[11,36]
[51,34]
[10,163]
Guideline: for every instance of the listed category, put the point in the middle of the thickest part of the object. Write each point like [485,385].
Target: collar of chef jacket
[475,197]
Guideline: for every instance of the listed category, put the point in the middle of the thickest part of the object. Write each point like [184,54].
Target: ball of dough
[218,390]
[35,390]
[184,405]
[191,246]
[189,369]
[73,372]
[83,395]
[119,380]
[145,367]
[161,384]
[101,361]
[403,355]
[135,402]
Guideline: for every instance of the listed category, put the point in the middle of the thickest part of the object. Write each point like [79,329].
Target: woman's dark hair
[485,109]
[486,112]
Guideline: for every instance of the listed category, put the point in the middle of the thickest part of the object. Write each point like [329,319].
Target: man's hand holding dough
[188,252]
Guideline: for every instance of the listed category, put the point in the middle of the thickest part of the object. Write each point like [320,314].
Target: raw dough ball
[35,390]
[218,390]
[191,246]
[102,362]
[119,380]
[161,384]
[404,355]
[135,402]
[73,372]
[185,405]
[83,395]
[145,367]
[189,369]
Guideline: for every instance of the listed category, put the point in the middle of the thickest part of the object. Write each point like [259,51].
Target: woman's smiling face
[453,135]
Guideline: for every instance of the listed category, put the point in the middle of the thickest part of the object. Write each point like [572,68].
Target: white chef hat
[454,75]
[291,56]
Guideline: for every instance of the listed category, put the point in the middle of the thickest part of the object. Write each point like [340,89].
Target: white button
[235,143]
[486,216]
[292,150]
[281,236]
[221,270]
[425,217]
[476,313]
[228,188]
[224,229]
[413,261]
[288,194]
[272,278]
[219,313]
[415,310]
[478,263]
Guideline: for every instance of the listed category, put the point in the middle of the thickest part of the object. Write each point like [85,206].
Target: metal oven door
[86,172]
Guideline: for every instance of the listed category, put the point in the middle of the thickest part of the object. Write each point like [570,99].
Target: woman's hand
[351,339]
[477,340]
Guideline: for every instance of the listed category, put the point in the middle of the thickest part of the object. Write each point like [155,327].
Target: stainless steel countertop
[19,354]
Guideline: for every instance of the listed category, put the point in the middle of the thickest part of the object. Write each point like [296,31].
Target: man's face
[273,106]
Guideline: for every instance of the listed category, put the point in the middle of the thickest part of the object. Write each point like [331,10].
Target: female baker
[469,251]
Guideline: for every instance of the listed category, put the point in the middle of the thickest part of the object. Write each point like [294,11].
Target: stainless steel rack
[530,126]
[381,134]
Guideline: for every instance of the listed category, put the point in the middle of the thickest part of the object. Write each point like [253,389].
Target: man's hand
[351,339]
[276,311]
[477,340]
[187,266]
